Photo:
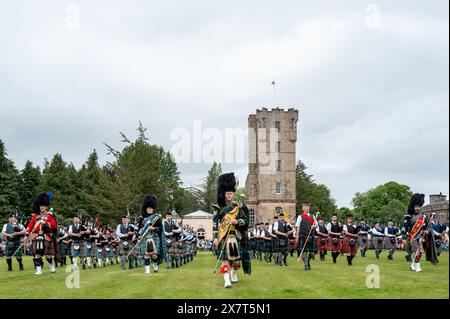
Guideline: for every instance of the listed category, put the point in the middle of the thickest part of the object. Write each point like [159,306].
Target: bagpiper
[252,241]
[13,232]
[171,231]
[125,232]
[282,229]
[78,247]
[63,245]
[350,245]
[259,233]
[101,243]
[307,241]
[334,240]
[40,233]
[415,225]
[151,234]
[322,238]
[230,221]
[377,239]
[91,249]
[390,238]
[363,237]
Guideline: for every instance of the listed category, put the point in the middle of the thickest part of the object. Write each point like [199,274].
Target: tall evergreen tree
[29,180]
[209,186]
[9,177]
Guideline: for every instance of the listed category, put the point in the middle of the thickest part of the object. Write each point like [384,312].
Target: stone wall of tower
[261,184]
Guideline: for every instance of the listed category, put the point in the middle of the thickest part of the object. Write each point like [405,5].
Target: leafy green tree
[377,203]
[317,194]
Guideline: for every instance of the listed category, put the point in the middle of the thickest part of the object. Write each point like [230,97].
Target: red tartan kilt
[321,246]
[333,247]
[346,245]
[293,243]
[49,248]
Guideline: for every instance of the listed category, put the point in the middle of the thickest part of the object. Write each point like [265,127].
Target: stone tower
[270,184]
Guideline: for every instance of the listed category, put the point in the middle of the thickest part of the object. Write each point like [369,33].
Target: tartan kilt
[377,244]
[346,248]
[123,251]
[292,244]
[223,255]
[267,248]
[388,244]
[259,244]
[363,244]
[252,245]
[11,248]
[311,244]
[78,253]
[172,249]
[275,245]
[282,245]
[111,252]
[320,245]
[157,241]
[91,252]
[49,248]
[64,249]
[178,251]
[332,246]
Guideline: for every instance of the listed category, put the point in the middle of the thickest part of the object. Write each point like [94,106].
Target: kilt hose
[349,248]
[12,247]
[334,244]
[322,243]
[310,243]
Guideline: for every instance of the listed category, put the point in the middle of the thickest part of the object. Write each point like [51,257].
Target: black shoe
[9,269]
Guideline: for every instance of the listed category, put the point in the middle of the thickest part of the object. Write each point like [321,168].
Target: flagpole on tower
[274,92]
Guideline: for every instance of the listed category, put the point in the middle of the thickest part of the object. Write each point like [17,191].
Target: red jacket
[47,218]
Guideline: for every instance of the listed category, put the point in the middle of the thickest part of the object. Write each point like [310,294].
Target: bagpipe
[149,225]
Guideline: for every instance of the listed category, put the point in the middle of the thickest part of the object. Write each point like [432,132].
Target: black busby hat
[42,199]
[226,183]
[416,200]
[149,201]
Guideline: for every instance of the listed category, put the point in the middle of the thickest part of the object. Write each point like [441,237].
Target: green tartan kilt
[110,251]
[283,245]
[275,245]
[311,245]
[259,244]
[101,252]
[80,252]
[223,255]
[267,248]
[157,241]
[11,248]
[92,251]
[64,249]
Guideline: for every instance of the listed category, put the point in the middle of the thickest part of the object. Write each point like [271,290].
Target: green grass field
[267,281]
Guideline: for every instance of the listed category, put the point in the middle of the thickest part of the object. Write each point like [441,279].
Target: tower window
[278,165]
[278,147]
[278,188]
[251,217]
[278,126]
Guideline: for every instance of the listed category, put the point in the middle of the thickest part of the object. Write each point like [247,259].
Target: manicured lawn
[267,281]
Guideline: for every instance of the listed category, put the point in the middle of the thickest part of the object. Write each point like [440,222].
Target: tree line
[139,168]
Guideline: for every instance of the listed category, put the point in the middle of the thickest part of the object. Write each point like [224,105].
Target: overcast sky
[370,80]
